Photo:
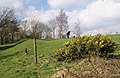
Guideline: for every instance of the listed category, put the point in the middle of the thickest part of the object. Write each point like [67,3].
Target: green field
[15,63]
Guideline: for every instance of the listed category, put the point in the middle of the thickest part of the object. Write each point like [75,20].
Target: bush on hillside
[82,47]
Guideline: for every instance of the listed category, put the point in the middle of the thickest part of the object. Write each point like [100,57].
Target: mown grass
[15,63]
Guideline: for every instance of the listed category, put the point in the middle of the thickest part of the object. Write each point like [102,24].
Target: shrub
[82,47]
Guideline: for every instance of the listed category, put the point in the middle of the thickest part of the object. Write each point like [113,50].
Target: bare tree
[77,27]
[48,32]
[53,25]
[13,28]
[3,21]
[24,28]
[8,22]
[62,22]
[40,29]
[4,11]
[34,25]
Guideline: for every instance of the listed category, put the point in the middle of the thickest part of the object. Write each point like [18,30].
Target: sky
[96,16]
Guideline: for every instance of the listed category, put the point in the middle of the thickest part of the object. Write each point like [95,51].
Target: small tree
[62,22]
[77,27]
[53,25]
[34,24]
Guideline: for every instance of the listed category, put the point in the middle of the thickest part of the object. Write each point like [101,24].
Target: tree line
[13,29]
[8,25]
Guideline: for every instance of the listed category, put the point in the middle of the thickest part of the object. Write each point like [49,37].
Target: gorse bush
[82,47]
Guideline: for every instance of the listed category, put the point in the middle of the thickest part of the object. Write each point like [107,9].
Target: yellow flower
[89,41]
[66,43]
[78,40]
[101,42]
[96,42]
[101,46]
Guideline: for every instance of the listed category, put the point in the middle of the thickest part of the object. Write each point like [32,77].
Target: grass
[15,63]
[116,38]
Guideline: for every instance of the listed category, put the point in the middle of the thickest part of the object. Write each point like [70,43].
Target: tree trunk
[6,40]
[61,34]
[12,37]
[35,47]
[1,39]
[53,32]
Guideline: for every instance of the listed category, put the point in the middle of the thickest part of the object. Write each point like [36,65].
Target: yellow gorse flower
[78,40]
[96,42]
[101,46]
[101,42]
[89,41]
[66,43]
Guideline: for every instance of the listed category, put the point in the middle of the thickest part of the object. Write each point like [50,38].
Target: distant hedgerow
[82,47]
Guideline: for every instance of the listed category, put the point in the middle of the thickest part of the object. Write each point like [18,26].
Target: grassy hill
[15,63]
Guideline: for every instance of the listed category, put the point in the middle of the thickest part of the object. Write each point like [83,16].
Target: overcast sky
[96,16]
